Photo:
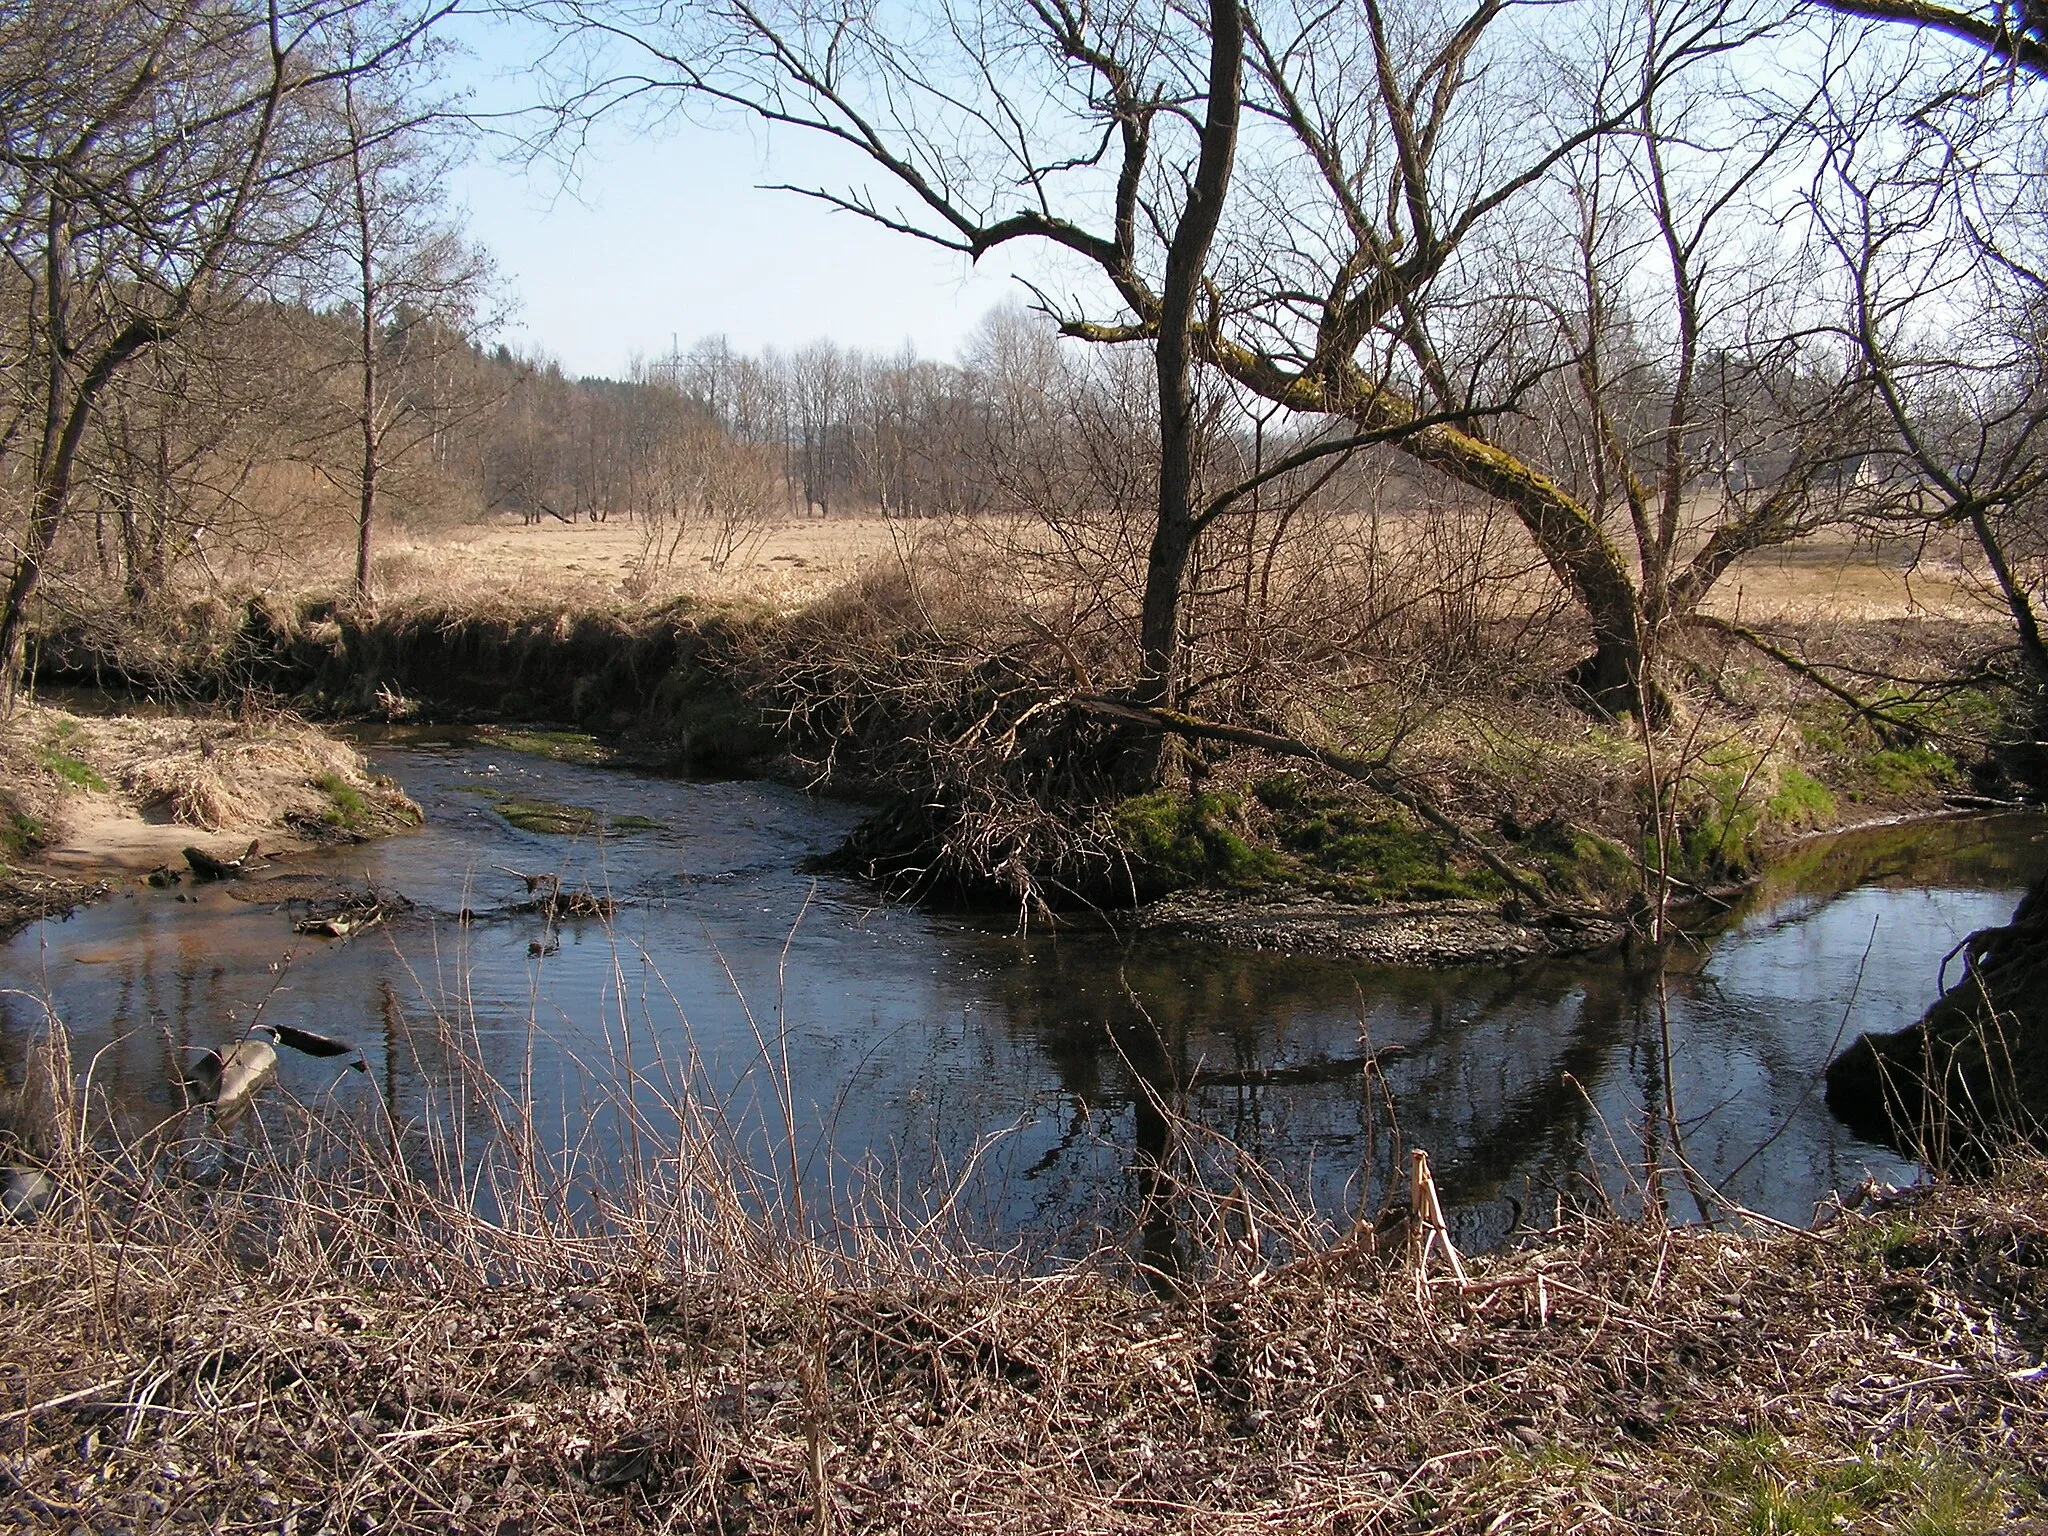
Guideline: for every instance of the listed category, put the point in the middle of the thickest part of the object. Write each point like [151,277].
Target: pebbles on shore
[1404,934]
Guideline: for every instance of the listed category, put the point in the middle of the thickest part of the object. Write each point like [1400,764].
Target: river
[924,1051]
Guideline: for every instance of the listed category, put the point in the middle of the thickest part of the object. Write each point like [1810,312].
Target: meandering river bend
[917,1044]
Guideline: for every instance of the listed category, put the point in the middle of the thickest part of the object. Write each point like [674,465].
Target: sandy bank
[107,835]
[92,799]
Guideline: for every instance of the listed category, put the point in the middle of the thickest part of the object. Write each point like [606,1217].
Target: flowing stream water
[920,1046]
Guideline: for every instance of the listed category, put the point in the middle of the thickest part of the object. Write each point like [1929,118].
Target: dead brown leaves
[1615,1378]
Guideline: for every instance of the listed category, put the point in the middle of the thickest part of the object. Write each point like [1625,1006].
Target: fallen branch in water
[207,867]
[1377,776]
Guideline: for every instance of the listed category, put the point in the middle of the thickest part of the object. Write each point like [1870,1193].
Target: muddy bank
[1972,1075]
[1420,934]
[656,682]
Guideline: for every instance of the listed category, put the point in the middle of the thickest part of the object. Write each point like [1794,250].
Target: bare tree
[1705,407]
[156,166]
[819,380]
[170,457]
[1427,149]
[1360,277]
[415,286]
[1933,201]
[1134,114]
[2015,31]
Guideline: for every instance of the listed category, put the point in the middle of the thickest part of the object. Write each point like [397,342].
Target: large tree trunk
[2033,650]
[21,587]
[64,431]
[366,294]
[366,514]
[1187,257]
[1578,552]
[366,510]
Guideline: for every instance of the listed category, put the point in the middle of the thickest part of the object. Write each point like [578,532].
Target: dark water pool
[917,1043]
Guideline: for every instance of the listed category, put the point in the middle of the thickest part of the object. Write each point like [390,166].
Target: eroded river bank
[922,1048]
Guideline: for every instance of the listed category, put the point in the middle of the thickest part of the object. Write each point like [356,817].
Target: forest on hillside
[1396,331]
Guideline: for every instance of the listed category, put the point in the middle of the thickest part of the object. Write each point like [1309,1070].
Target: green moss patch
[1862,767]
[555,818]
[1733,803]
[1801,801]
[21,835]
[1580,865]
[1286,834]
[56,758]
[1177,841]
[1911,770]
[347,808]
[556,746]
[1761,1484]
[1342,844]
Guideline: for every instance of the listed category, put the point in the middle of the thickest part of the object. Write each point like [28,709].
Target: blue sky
[671,234]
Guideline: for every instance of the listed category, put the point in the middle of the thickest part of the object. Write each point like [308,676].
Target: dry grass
[96,783]
[798,560]
[221,774]
[327,1327]
[600,565]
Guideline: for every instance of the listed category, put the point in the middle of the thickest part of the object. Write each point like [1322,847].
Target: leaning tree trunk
[1570,538]
[64,433]
[1578,552]
[52,491]
[2033,650]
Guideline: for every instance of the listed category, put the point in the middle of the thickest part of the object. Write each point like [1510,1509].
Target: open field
[798,560]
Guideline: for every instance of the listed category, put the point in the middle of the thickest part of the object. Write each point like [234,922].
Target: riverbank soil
[958,672]
[88,799]
[1882,1374]
[1972,1075]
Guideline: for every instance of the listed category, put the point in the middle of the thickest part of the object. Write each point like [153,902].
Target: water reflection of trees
[1494,1080]
[1988,852]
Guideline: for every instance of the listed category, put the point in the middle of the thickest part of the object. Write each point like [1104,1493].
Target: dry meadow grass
[603,564]
[798,560]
